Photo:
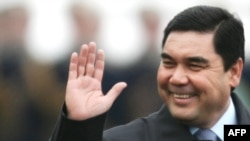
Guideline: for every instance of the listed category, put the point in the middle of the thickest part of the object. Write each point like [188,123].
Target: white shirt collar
[229,117]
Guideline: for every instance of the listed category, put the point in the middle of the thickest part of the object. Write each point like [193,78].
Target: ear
[235,73]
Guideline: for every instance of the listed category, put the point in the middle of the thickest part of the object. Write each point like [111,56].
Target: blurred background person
[138,99]
[29,104]
[141,99]
[85,23]
[17,111]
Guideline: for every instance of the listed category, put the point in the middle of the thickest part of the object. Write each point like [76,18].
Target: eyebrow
[195,59]
[166,56]
[198,59]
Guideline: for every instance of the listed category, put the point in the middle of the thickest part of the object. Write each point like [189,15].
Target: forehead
[190,43]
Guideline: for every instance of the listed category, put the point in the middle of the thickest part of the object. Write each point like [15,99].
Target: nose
[179,76]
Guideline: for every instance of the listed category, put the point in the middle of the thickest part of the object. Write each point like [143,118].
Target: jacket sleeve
[70,130]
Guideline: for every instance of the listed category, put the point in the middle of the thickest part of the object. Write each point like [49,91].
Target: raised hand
[84,97]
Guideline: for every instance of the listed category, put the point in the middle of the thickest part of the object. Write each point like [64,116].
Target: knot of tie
[206,135]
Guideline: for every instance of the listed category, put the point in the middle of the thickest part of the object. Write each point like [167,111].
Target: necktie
[206,134]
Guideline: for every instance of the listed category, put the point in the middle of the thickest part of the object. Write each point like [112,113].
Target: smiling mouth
[183,96]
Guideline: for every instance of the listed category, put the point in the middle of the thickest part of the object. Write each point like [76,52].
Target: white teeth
[183,96]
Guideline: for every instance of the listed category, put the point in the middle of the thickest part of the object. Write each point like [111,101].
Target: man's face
[191,78]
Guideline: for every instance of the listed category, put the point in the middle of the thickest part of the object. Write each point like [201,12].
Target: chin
[187,120]
[182,114]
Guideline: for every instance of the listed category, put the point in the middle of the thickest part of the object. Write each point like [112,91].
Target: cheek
[219,84]
[162,77]
[214,89]
[162,80]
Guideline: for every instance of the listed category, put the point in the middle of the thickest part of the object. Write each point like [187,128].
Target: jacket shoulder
[135,130]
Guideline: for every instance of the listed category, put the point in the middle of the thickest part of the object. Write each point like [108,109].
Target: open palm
[84,96]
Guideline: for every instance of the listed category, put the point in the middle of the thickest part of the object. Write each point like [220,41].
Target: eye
[196,67]
[168,63]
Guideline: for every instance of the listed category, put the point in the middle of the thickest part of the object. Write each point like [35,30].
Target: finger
[116,90]
[91,59]
[99,65]
[82,59]
[73,66]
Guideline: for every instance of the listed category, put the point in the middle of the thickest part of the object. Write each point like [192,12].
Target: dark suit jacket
[158,126]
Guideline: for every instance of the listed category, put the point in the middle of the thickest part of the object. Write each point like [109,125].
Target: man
[201,65]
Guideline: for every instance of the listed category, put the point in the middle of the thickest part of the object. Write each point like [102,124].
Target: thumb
[116,90]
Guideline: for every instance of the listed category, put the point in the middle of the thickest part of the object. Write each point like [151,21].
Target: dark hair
[228,31]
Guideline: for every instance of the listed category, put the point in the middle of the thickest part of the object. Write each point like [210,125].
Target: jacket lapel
[166,128]
[243,115]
